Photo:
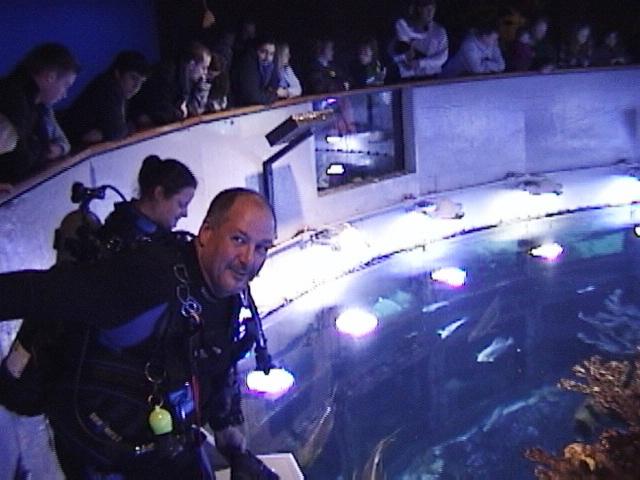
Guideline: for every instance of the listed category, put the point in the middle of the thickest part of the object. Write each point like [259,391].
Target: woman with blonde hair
[288,78]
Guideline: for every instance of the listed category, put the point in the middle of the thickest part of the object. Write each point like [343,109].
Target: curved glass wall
[456,377]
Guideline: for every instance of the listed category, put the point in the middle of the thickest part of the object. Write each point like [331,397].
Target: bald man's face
[231,254]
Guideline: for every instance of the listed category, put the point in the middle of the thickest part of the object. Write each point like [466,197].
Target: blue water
[406,403]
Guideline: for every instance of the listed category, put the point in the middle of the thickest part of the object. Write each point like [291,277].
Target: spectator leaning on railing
[255,78]
[175,90]
[288,78]
[577,50]
[545,56]
[611,51]
[520,52]
[40,80]
[479,53]
[218,77]
[367,69]
[100,113]
[325,76]
[421,45]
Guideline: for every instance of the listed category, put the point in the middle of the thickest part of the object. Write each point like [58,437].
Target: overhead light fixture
[452,276]
[548,251]
[356,322]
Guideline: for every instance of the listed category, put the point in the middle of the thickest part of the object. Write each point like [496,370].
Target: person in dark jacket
[545,58]
[520,53]
[325,76]
[577,50]
[175,90]
[99,114]
[39,81]
[367,69]
[159,362]
[218,77]
[255,78]
[611,51]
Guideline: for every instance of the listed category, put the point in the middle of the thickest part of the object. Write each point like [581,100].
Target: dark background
[96,30]
[298,21]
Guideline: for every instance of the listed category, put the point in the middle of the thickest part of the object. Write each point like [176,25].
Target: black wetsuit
[129,225]
[130,302]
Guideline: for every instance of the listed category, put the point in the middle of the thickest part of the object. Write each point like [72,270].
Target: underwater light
[278,382]
[453,276]
[335,169]
[549,251]
[356,322]
[636,230]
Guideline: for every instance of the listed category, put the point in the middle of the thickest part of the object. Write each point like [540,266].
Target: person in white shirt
[288,79]
[479,53]
[421,45]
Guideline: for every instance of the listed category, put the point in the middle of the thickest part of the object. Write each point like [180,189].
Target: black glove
[246,466]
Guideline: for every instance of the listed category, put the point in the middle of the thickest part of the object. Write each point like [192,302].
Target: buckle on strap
[190,307]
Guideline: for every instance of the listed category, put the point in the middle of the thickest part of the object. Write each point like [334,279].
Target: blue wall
[95,30]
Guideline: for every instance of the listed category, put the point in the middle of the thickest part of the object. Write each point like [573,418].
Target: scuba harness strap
[170,407]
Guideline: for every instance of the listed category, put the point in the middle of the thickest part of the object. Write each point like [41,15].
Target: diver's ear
[204,232]
[158,193]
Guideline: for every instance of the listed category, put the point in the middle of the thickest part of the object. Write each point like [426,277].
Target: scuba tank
[29,370]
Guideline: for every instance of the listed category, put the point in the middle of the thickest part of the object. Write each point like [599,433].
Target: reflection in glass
[363,143]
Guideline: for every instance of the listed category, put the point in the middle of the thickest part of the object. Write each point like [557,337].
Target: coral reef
[613,386]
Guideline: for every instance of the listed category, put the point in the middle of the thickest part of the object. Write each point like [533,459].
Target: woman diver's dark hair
[170,174]
[166,187]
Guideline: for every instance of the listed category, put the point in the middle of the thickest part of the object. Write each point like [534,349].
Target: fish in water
[452,327]
[394,304]
[434,306]
[493,351]
[589,288]
[373,469]
[385,307]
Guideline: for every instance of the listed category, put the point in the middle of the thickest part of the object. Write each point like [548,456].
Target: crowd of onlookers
[226,69]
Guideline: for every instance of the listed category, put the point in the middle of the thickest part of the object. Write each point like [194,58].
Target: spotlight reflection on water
[356,322]
[452,276]
[274,385]
[548,251]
